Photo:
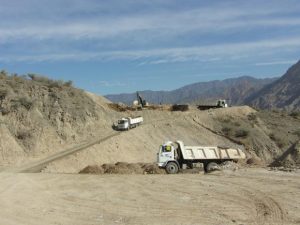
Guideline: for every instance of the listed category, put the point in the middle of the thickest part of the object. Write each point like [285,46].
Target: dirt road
[247,196]
[37,166]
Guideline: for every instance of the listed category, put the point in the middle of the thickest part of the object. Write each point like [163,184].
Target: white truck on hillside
[221,103]
[129,122]
[173,156]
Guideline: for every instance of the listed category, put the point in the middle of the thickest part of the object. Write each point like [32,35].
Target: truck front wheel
[172,168]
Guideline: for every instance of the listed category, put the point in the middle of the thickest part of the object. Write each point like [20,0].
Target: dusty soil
[246,196]
[124,168]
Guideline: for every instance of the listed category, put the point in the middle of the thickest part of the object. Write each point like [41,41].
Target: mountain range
[267,93]
[282,93]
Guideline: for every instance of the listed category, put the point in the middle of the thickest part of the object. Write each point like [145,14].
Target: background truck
[129,122]
[175,155]
[221,103]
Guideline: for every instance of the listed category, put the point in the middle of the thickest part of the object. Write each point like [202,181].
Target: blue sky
[123,46]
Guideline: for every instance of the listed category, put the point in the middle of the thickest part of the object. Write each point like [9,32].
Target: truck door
[165,154]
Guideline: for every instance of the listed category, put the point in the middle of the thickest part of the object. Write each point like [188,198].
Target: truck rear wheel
[172,168]
[212,166]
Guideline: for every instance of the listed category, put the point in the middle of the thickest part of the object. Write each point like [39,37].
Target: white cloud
[167,23]
[283,62]
[203,53]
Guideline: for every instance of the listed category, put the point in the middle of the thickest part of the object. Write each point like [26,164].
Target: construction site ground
[246,196]
[40,181]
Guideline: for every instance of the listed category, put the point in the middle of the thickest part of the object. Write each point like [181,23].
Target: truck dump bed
[202,152]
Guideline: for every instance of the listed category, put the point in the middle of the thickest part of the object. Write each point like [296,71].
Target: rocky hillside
[39,116]
[234,89]
[283,93]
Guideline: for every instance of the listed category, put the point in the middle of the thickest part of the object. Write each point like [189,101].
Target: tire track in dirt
[266,211]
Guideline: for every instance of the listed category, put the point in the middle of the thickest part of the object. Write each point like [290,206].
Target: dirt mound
[120,107]
[123,168]
[181,108]
[42,116]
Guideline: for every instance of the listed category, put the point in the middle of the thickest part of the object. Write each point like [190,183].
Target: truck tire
[212,166]
[172,168]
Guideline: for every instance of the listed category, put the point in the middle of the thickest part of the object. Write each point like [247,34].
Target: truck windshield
[121,121]
[166,148]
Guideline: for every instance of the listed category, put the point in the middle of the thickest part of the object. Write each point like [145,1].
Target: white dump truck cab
[123,124]
[222,103]
[166,154]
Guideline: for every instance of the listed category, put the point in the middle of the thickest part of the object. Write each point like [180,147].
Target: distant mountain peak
[283,93]
[234,89]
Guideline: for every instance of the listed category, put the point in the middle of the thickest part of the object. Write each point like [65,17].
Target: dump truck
[221,103]
[173,156]
[129,122]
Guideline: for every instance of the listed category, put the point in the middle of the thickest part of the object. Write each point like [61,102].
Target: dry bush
[181,108]
[295,114]
[120,107]
[226,119]
[226,130]
[49,82]
[279,141]
[3,74]
[254,161]
[241,133]
[252,117]
[155,107]
[297,133]
[22,102]
[23,134]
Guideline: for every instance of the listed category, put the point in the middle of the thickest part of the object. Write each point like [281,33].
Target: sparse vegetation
[49,82]
[226,130]
[297,132]
[3,94]
[22,102]
[279,141]
[295,114]
[57,102]
[23,134]
[181,108]
[252,117]
[241,133]
[226,119]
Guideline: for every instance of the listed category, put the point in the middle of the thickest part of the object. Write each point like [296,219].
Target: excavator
[140,101]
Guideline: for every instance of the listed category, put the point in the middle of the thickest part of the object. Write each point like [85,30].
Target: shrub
[3,74]
[22,135]
[236,124]
[278,141]
[22,102]
[68,83]
[181,108]
[252,116]
[226,130]
[295,114]
[225,120]
[49,82]
[241,133]
[3,93]
[297,132]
